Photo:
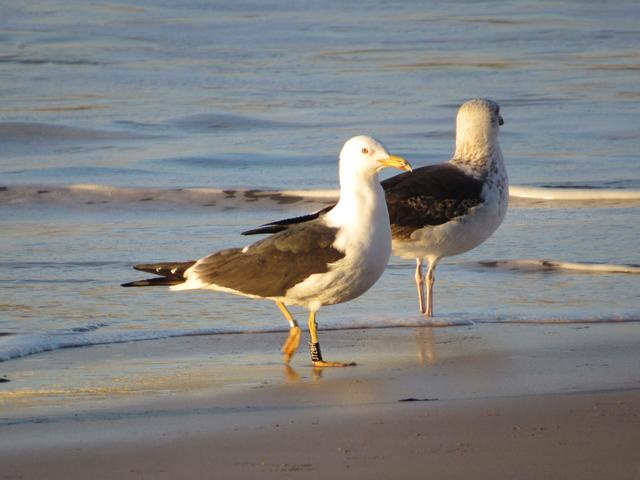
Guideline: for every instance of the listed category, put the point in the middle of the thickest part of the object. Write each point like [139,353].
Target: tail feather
[171,273]
[166,269]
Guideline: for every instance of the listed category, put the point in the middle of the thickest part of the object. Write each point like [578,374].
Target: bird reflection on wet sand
[426,354]
[426,345]
[292,376]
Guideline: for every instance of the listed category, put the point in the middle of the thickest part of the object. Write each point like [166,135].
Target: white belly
[339,285]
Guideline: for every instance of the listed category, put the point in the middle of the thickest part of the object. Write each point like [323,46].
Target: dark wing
[430,195]
[281,225]
[270,267]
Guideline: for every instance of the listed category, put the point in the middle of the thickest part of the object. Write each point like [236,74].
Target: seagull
[324,261]
[445,209]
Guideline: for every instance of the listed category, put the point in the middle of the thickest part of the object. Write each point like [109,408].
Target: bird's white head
[364,156]
[477,126]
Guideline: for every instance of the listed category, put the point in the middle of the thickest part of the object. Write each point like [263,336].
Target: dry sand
[490,401]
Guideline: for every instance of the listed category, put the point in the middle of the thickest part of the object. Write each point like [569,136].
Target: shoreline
[499,401]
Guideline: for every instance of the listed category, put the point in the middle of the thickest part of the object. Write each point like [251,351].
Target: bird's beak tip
[394,161]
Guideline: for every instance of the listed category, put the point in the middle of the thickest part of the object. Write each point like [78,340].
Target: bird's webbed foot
[291,344]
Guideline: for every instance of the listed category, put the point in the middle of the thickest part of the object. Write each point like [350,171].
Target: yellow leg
[420,285]
[291,344]
[314,346]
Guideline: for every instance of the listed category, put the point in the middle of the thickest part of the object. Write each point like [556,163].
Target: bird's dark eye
[365,150]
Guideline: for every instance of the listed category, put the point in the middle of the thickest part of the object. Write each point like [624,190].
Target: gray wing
[272,266]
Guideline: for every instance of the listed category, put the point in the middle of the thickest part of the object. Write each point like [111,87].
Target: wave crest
[90,194]
[540,265]
[571,194]
[19,345]
[95,194]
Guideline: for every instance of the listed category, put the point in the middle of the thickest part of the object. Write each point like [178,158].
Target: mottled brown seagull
[331,259]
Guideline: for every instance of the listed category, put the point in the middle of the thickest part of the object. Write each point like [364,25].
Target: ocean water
[157,131]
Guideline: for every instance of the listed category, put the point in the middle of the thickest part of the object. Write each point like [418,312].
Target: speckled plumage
[478,196]
[431,195]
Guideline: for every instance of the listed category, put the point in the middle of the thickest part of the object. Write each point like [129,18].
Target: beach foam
[540,265]
[14,346]
[96,194]
[573,194]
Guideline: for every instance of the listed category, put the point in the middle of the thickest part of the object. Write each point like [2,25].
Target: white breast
[365,237]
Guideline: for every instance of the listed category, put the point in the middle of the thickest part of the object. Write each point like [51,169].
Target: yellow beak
[394,161]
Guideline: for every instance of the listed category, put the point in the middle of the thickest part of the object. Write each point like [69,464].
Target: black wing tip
[171,273]
[166,269]
[137,283]
[146,267]
[281,225]
[153,282]
[265,229]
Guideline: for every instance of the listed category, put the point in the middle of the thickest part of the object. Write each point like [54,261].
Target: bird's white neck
[360,194]
[361,207]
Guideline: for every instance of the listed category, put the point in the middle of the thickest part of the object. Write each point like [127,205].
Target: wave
[92,194]
[45,133]
[539,265]
[215,121]
[573,194]
[95,194]
[18,345]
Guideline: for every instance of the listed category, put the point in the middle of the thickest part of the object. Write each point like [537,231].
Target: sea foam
[15,346]
[224,198]
[541,265]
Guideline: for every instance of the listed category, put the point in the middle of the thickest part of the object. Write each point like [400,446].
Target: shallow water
[156,97]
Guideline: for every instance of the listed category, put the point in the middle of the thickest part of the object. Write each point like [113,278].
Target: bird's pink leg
[420,285]
[431,278]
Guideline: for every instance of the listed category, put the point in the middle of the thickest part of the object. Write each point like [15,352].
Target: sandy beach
[488,401]
[143,132]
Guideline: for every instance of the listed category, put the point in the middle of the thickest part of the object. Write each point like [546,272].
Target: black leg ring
[316,354]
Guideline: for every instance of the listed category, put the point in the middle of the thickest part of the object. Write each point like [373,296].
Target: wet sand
[484,401]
